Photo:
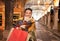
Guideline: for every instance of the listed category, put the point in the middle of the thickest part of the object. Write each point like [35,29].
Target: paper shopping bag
[18,35]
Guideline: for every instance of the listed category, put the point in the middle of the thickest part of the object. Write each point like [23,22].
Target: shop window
[15,16]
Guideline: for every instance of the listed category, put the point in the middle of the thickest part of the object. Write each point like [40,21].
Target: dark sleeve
[20,22]
[29,24]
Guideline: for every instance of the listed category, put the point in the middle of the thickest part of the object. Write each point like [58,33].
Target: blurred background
[46,14]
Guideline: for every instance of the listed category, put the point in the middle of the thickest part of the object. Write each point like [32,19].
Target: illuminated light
[49,8]
[38,1]
[56,2]
[45,12]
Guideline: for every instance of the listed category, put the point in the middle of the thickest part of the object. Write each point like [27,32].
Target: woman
[28,22]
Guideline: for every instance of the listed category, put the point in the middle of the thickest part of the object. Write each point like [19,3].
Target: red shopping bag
[18,35]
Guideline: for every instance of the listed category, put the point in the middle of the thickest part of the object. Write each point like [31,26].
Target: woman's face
[28,13]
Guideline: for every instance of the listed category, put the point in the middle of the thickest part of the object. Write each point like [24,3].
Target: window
[15,16]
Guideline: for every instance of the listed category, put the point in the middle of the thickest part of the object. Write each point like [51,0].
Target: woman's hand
[23,26]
